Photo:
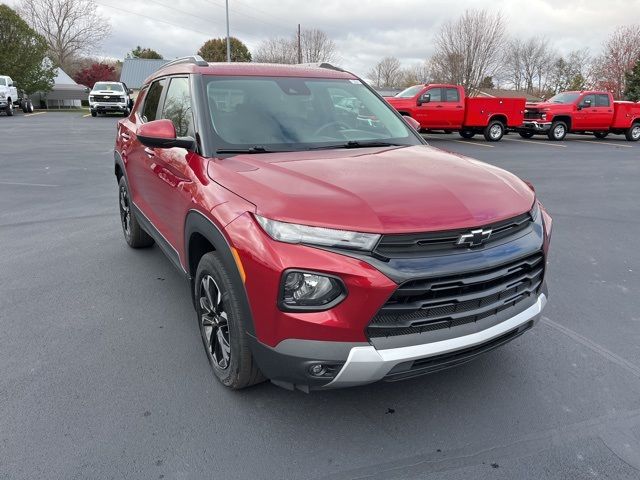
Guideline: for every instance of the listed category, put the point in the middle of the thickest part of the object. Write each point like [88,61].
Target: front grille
[107,98]
[407,245]
[429,304]
[532,114]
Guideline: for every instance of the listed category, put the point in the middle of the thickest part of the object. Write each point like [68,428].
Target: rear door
[453,107]
[603,112]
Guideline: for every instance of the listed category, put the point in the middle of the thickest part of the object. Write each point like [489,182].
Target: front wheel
[94,113]
[494,131]
[526,134]
[134,235]
[9,109]
[558,131]
[467,133]
[600,134]
[633,134]
[221,318]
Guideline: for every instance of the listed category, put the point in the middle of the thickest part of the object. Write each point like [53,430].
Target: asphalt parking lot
[103,374]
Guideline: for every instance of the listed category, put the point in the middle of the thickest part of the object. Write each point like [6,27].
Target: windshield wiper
[359,144]
[254,149]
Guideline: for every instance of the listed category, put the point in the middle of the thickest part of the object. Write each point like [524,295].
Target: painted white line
[32,114]
[466,142]
[28,184]
[602,143]
[543,143]
[87,115]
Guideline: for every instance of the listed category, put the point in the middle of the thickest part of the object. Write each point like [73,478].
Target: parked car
[12,98]
[582,112]
[321,255]
[107,97]
[446,107]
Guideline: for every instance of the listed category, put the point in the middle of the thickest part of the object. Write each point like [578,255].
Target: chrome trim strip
[366,364]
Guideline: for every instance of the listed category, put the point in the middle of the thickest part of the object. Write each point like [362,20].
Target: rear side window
[452,95]
[435,94]
[152,100]
[177,106]
[602,100]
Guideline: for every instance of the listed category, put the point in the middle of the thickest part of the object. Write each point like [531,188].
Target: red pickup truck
[582,112]
[445,107]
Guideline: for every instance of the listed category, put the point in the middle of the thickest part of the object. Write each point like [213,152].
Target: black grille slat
[532,114]
[107,98]
[426,305]
[392,246]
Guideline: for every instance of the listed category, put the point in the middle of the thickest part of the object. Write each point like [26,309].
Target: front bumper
[536,126]
[108,107]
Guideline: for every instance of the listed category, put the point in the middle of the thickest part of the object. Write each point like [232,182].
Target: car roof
[249,69]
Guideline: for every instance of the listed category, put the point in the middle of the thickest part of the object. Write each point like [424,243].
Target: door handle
[125,136]
[150,153]
[438,106]
[458,106]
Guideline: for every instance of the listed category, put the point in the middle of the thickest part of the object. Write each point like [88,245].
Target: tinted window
[602,100]
[436,94]
[153,100]
[177,106]
[2,82]
[451,95]
[113,87]
[588,98]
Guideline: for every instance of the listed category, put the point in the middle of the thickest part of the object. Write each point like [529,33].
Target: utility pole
[228,39]
[299,46]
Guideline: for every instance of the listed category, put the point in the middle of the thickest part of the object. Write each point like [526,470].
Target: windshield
[410,92]
[292,113]
[113,87]
[567,97]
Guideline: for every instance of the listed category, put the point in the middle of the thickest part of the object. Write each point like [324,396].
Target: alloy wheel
[495,132]
[214,323]
[635,132]
[125,211]
[558,131]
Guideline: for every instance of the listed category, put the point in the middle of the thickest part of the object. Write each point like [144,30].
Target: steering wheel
[337,123]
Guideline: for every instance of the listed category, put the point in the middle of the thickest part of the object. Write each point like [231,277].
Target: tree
[487,82]
[414,75]
[527,63]
[620,53]
[215,50]
[23,52]
[70,27]
[632,83]
[570,72]
[386,73]
[469,48]
[140,52]
[96,73]
[315,46]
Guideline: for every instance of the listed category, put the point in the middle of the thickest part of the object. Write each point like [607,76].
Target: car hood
[381,190]
[401,102]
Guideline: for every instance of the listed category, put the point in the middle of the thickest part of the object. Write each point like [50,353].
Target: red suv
[324,251]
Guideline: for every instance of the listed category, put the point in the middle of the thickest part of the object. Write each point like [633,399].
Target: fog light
[310,291]
[317,370]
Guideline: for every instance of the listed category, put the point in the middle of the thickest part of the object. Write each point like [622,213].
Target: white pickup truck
[110,97]
[10,97]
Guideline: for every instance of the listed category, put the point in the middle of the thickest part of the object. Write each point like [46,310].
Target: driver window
[588,98]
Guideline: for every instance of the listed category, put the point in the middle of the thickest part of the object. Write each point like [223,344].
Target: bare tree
[276,50]
[70,27]
[386,73]
[527,63]
[620,53]
[414,74]
[469,48]
[316,46]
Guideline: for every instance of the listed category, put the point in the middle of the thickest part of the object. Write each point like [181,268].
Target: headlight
[543,116]
[302,290]
[92,98]
[326,237]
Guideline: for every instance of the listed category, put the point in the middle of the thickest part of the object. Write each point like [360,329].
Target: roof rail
[194,59]
[326,65]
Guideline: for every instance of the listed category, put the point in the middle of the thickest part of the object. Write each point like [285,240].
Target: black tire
[600,134]
[466,133]
[133,233]
[494,131]
[633,133]
[558,131]
[9,109]
[126,113]
[237,369]
[30,108]
[94,113]
[526,134]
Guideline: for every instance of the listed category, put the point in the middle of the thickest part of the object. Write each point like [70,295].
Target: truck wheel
[220,318]
[467,133]
[526,134]
[94,113]
[557,131]
[9,109]
[30,108]
[126,112]
[600,134]
[134,235]
[633,134]
[494,131]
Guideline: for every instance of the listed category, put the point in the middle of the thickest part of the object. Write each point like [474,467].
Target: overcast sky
[363,30]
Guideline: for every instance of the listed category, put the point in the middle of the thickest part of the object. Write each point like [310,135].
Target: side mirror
[130,91]
[424,98]
[162,134]
[412,122]
[87,90]
[13,84]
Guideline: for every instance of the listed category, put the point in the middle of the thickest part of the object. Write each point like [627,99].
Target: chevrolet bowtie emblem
[474,238]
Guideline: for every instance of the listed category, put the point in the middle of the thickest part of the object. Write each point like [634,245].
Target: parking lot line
[32,114]
[603,143]
[87,115]
[543,143]
[28,184]
[466,142]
